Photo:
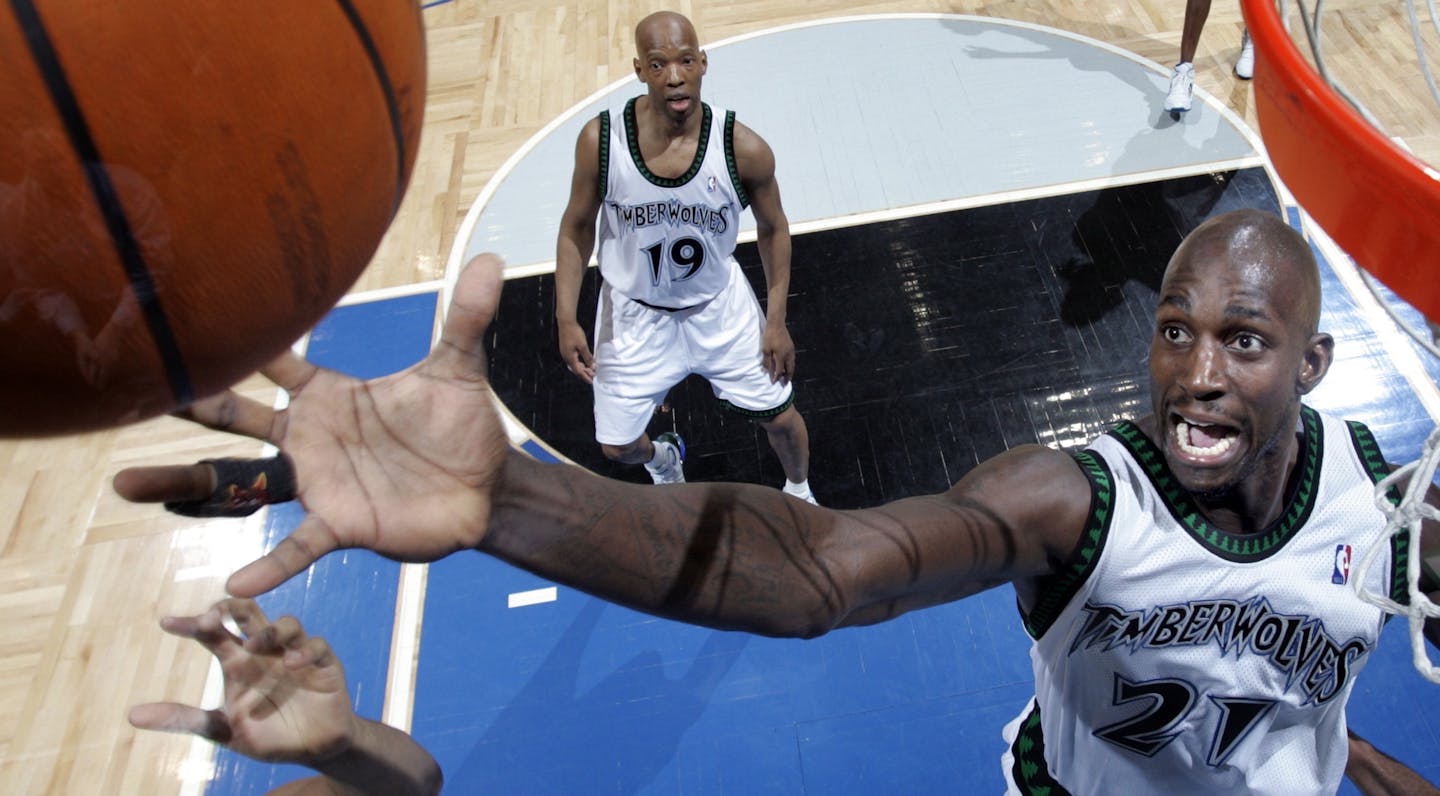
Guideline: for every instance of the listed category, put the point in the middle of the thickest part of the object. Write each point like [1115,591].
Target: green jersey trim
[603,185]
[1377,468]
[632,137]
[1030,773]
[731,164]
[1238,547]
[1055,590]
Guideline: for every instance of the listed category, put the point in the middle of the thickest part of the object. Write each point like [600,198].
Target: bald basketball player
[669,179]
[1184,578]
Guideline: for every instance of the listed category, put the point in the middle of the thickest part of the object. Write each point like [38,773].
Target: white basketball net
[1407,518]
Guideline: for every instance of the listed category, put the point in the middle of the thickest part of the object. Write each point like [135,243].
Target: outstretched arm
[739,556]
[416,466]
[572,251]
[285,701]
[756,163]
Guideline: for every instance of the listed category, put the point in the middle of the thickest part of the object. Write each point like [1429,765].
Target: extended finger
[770,365]
[313,651]
[169,483]
[289,371]
[310,540]
[247,615]
[461,350]
[175,717]
[208,629]
[230,411]
[284,635]
[213,487]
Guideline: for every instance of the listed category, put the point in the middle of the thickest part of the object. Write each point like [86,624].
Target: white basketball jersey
[1173,657]
[668,242]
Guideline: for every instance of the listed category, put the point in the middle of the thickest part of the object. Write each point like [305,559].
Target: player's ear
[1318,354]
[704,63]
[636,63]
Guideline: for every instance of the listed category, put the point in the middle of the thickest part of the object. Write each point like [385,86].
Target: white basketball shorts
[641,352]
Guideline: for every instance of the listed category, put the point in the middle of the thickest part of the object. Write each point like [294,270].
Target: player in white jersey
[1177,576]
[669,177]
[1173,655]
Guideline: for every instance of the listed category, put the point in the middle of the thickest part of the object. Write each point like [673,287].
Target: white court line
[399,707]
[520,599]
[397,291]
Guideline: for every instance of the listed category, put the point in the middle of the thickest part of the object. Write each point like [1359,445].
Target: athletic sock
[800,490]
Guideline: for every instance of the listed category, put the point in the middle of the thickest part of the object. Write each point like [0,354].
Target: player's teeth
[1182,440]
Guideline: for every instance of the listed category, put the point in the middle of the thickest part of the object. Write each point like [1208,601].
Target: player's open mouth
[1202,441]
[678,103]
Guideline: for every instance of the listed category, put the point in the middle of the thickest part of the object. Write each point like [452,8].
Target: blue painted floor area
[348,597]
[579,696]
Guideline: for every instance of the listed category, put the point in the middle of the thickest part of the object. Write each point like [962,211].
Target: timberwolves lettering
[712,220]
[1297,645]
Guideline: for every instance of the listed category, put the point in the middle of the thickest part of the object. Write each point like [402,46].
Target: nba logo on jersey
[1342,565]
[710,185]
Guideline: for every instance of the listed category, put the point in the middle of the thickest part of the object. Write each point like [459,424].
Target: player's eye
[1248,342]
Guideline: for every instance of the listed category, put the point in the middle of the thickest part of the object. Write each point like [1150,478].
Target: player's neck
[656,124]
[1260,498]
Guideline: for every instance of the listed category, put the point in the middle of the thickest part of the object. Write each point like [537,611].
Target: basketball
[185,189]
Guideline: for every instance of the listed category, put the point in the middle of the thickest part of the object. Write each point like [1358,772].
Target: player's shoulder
[587,145]
[590,131]
[753,156]
[1042,495]
[1032,477]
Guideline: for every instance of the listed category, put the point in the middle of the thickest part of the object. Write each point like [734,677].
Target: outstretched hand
[285,697]
[402,465]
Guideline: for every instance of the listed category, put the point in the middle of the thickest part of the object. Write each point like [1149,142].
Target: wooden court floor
[84,576]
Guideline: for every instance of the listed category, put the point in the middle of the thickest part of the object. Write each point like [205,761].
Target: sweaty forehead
[1247,259]
[1243,284]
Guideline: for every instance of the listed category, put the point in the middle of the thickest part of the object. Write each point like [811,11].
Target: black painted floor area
[924,345]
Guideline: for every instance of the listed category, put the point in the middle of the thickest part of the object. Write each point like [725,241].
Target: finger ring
[242,487]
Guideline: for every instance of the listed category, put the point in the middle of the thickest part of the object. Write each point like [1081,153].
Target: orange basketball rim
[1378,202]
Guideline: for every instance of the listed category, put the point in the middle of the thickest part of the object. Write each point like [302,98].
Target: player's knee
[625,453]
[787,422]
